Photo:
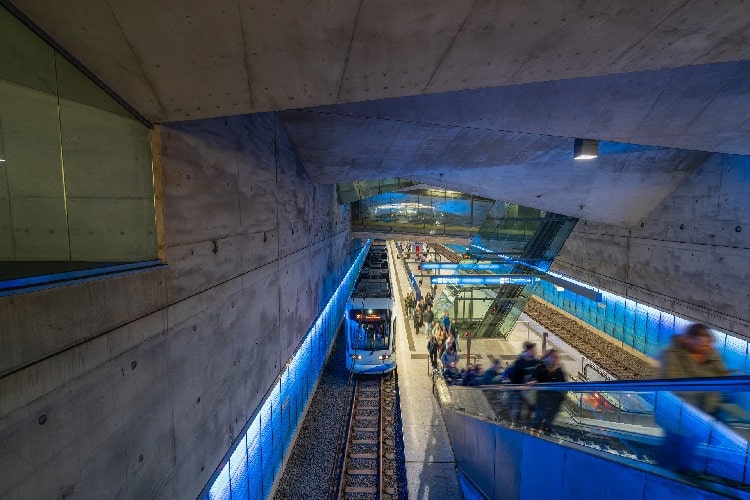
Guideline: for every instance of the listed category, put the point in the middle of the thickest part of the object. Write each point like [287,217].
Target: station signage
[492,279]
[472,265]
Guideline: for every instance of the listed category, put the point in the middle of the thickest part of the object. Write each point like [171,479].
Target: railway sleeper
[361,489]
[364,441]
[362,472]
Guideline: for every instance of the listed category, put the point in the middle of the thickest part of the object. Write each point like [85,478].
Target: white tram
[370,320]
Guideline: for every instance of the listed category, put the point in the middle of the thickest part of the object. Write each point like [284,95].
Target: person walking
[418,318]
[427,318]
[432,349]
[447,321]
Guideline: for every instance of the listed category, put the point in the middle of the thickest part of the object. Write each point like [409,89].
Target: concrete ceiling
[478,96]
[196,59]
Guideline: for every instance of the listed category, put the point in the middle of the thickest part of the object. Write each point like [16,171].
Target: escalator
[591,442]
[540,249]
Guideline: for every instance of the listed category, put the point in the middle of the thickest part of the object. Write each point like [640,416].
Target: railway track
[608,355]
[369,458]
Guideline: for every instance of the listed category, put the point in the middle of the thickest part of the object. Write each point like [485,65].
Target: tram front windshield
[372,330]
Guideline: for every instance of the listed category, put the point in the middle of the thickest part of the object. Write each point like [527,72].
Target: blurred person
[441,336]
[435,328]
[410,302]
[472,375]
[691,354]
[492,374]
[449,356]
[450,342]
[519,373]
[548,402]
[451,374]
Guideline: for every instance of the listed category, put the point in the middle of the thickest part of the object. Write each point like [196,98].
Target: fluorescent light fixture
[484,279]
[585,149]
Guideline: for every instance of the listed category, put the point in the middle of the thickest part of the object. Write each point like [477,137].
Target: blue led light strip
[250,467]
[35,283]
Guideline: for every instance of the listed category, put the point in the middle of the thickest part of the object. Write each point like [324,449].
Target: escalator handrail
[738,383]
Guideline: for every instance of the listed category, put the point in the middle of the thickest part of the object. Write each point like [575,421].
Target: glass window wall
[76,180]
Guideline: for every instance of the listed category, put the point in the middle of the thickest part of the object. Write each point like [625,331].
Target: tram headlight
[356,356]
[384,356]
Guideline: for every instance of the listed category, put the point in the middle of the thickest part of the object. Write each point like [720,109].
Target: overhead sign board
[490,279]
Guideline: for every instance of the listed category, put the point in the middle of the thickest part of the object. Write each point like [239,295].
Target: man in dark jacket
[427,317]
[432,349]
[518,373]
[548,402]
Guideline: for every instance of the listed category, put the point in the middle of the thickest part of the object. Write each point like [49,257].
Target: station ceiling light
[585,149]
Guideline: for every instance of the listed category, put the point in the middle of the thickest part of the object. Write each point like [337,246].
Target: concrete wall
[689,256]
[135,386]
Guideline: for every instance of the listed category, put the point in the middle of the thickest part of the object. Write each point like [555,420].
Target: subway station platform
[431,456]
[430,463]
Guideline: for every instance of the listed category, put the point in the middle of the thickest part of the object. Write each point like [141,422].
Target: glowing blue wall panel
[735,354]
[642,327]
[220,486]
[238,471]
[250,467]
[268,470]
[254,460]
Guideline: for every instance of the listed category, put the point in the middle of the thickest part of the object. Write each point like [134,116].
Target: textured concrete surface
[166,364]
[528,169]
[688,256]
[476,97]
[144,380]
[231,57]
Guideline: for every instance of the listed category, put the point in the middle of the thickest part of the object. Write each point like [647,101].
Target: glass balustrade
[697,427]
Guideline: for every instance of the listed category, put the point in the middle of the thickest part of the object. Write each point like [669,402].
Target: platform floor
[430,464]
